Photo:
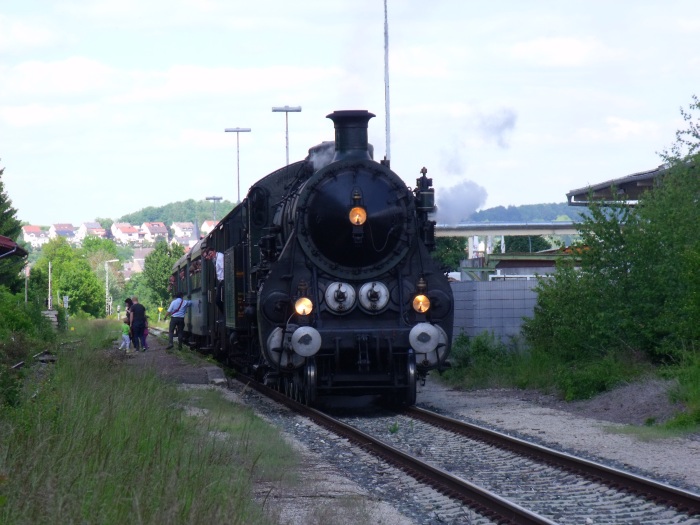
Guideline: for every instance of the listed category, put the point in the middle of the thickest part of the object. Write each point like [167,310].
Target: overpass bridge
[481,236]
[493,229]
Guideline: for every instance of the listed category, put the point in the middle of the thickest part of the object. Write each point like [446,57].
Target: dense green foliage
[158,267]
[72,276]
[450,251]
[183,211]
[96,245]
[10,226]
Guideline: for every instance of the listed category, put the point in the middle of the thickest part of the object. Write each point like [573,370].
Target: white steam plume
[457,203]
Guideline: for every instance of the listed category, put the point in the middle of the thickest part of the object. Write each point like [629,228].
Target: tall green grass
[99,441]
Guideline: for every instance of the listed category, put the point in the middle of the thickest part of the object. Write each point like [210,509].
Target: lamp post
[287,110]
[238,131]
[215,199]
[107,305]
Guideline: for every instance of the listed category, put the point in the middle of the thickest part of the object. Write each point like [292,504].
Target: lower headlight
[303,306]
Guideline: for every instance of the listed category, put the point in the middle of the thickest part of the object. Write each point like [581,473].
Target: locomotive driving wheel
[310,381]
[411,378]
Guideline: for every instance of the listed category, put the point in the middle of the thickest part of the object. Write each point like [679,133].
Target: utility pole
[215,199]
[287,110]
[238,131]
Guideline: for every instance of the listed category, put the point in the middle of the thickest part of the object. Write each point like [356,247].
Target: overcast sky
[109,106]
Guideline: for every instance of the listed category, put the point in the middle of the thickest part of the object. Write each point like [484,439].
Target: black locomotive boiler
[329,287]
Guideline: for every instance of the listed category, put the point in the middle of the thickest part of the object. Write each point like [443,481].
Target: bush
[20,317]
[687,372]
[480,361]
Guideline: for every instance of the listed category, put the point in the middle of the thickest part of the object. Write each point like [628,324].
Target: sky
[110,106]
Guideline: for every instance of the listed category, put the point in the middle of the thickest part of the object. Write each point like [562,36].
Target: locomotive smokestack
[351,134]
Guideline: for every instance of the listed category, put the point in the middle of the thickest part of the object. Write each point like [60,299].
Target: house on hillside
[182,229]
[94,229]
[184,234]
[207,227]
[35,236]
[153,231]
[186,242]
[66,231]
[137,263]
[125,233]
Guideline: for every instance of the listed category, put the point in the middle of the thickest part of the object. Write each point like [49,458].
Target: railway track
[506,479]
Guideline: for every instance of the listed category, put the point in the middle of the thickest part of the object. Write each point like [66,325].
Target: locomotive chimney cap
[351,133]
[356,113]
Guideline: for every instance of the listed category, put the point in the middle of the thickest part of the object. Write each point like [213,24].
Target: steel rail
[682,500]
[478,498]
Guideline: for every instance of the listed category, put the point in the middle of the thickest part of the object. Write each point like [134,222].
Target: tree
[189,210]
[687,144]
[136,286]
[10,226]
[104,222]
[636,291]
[449,251]
[93,244]
[86,293]
[71,275]
[158,267]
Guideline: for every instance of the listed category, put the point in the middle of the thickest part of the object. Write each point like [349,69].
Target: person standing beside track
[128,303]
[176,311]
[138,324]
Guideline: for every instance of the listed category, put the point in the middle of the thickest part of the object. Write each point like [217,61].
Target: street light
[107,305]
[287,110]
[215,199]
[238,131]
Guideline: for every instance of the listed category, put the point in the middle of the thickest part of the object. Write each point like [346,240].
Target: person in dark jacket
[138,323]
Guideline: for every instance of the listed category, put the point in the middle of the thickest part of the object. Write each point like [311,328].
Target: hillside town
[141,237]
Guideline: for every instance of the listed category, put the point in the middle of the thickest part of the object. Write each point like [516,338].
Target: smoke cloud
[496,126]
[458,202]
[322,155]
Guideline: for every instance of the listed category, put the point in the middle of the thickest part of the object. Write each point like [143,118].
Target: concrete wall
[497,306]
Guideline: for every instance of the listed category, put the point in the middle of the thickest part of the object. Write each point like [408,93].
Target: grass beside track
[96,441]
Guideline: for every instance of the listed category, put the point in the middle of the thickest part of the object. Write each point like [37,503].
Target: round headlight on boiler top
[303,306]
[358,216]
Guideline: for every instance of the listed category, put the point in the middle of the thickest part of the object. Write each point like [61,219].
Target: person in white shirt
[176,311]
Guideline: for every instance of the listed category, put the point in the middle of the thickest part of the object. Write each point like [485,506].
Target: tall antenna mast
[387,157]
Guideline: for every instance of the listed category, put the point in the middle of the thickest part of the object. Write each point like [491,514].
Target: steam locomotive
[328,287]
